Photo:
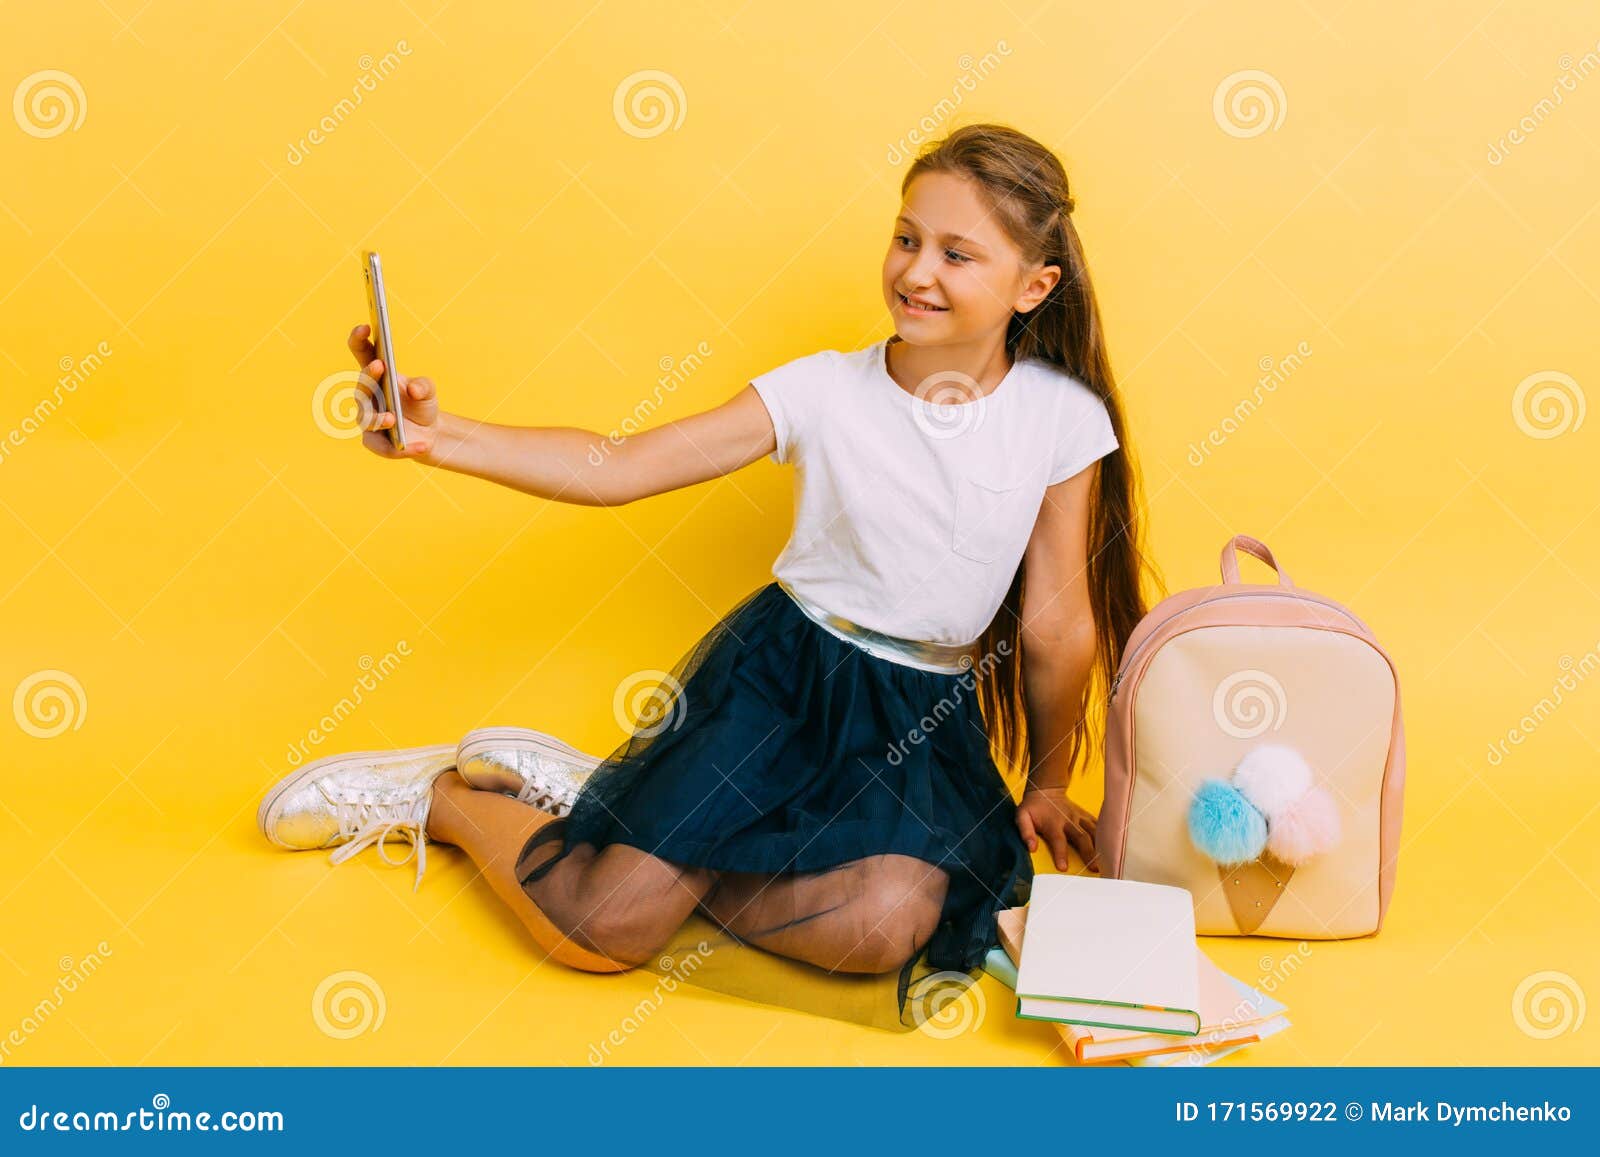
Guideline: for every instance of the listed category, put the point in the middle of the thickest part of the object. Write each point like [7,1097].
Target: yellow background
[211,567]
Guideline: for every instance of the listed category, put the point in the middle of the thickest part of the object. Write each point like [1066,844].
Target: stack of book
[1113,964]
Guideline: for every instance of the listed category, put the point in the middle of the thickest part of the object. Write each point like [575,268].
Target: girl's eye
[958,257]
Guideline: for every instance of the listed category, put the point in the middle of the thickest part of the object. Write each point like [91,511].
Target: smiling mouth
[909,304]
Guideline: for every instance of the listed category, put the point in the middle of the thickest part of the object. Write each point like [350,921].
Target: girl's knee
[885,948]
[633,919]
[628,936]
[896,915]
[904,889]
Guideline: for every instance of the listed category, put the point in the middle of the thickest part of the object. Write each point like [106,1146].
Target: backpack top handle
[1253,546]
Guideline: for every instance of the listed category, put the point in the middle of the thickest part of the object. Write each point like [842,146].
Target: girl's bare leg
[621,904]
[869,915]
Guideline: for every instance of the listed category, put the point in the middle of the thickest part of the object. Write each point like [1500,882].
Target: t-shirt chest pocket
[986,513]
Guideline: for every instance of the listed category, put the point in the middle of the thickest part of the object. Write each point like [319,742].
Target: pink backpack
[1255,756]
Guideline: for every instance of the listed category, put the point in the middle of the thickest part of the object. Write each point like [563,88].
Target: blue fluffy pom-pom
[1225,825]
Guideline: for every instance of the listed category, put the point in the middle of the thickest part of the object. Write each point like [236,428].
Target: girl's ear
[1038,288]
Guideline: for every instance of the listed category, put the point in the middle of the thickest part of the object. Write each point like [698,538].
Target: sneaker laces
[367,821]
[543,796]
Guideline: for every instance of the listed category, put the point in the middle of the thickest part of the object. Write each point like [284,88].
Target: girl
[820,779]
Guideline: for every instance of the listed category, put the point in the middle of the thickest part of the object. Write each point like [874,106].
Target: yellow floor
[138,862]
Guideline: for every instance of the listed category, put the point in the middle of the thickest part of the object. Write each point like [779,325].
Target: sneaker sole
[485,739]
[317,767]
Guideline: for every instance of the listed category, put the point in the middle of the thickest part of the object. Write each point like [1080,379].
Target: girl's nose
[919,277]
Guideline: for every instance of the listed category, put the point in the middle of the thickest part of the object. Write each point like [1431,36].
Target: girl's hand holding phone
[417,401]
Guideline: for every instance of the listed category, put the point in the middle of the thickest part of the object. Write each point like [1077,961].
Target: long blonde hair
[1026,188]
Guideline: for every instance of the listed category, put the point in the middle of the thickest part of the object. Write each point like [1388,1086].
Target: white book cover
[1112,953]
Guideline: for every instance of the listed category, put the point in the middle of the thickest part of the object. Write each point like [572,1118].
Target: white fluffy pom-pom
[1272,777]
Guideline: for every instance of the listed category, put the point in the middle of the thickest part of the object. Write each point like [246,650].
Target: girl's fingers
[377,443]
[373,416]
[360,346]
[1025,826]
[1082,844]
[1086,849]
[1058,849]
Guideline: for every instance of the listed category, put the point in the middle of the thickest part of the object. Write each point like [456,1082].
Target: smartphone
[383,342]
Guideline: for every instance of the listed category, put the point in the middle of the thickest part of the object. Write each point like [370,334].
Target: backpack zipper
[1127,662]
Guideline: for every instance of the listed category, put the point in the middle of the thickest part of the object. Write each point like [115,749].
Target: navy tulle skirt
[777,746]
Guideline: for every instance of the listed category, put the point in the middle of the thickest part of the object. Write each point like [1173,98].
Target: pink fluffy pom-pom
[1307,827]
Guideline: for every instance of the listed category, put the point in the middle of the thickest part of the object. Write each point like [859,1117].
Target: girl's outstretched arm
[571,464]
[1058,647]
[568,463]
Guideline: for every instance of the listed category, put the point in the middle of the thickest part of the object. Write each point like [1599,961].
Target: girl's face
[952,275]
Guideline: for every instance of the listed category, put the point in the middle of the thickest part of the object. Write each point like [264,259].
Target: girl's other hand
[418,403]
[1048,813]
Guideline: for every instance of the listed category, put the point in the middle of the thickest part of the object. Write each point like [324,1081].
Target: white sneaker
[552,771]
[352,800]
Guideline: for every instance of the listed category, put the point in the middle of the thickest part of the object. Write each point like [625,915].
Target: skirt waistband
[942,658]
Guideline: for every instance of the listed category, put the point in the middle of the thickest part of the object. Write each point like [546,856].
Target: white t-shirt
[911,516]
